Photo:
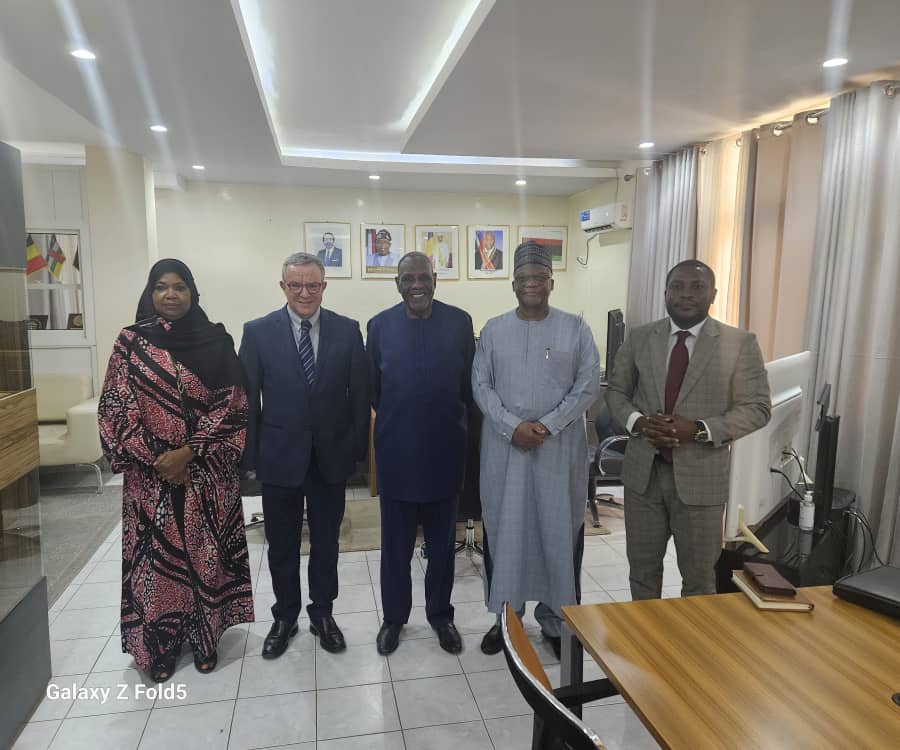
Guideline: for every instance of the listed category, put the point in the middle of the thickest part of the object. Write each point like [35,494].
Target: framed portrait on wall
[330,240]
[440,242]
[382,247]
[554,238]
[489,252]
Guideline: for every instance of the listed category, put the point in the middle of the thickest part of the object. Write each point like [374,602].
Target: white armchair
[67,422]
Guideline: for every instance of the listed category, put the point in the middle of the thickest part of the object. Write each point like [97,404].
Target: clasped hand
[666,430]
[530,435]
[172,465]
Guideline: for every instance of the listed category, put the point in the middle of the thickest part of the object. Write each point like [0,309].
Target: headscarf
[203,347]
[532,252]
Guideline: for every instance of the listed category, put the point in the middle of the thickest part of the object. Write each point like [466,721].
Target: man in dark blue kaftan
[420,355]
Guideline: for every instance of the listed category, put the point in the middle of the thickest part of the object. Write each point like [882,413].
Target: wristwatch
[701,435]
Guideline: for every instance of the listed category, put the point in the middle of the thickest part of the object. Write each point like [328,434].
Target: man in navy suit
[329,254]
[308,367]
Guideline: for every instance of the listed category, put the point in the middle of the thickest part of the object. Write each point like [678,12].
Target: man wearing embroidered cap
[536,372]
[381,255]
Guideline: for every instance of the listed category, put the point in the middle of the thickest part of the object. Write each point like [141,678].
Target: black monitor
[615,336]
[826,458]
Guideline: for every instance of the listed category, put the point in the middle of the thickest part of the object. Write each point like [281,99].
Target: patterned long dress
[185,567]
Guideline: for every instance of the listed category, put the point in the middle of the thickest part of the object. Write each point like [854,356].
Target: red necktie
[678,364]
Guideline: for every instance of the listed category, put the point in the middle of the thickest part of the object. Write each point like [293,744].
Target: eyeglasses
[313,287]
[537,280]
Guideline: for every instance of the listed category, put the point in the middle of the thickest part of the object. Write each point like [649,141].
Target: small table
[715,672]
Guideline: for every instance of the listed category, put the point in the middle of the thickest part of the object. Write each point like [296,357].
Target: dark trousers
[578,555]
[283,514]
[398,540]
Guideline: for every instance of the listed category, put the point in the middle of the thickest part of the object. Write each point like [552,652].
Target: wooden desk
[715,672]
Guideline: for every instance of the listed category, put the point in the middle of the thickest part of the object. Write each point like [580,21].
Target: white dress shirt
[690,342]
[296,321]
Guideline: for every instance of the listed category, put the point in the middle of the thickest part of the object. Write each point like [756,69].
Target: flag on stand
[55,257]
[34,260]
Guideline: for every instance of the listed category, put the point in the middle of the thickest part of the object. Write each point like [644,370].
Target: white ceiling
[321,93]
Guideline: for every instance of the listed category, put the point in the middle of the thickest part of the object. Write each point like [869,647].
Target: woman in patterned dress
[173,417]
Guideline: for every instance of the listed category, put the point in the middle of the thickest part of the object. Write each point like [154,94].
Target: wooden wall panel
[19,451]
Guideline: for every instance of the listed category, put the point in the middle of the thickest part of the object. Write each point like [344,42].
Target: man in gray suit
[685,387]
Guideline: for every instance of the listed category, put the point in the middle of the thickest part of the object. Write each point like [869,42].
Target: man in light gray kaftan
[536,373]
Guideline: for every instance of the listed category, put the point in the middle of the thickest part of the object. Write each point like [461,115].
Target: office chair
[606,457]
[555,726]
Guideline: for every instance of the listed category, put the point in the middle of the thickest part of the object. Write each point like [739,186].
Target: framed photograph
[553,237]
[441,244]
[75,322]
[490,254]
[38,322]
[330,240]
[382,247]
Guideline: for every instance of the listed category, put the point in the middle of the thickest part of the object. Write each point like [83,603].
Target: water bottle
[807,512]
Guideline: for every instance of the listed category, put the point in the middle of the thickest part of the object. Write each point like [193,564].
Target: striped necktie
[307,355]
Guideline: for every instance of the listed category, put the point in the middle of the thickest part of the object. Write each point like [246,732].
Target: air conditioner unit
[606,218]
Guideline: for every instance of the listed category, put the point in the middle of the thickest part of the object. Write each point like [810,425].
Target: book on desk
[773,602]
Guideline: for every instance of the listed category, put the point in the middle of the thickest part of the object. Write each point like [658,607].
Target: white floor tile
[111,657]
[364,709]
[354,599]
[37,735]
[273,720]
[63,691]
[497,695]
[353,574]
[105,572]
[128,690]
[84,623]
[609,576]
[76,656]
[93,595]
[422,657]
[473,660]
[120,731]
[205,726]
[289,673]
[467,589]
[619,727]
[511,733]
[358,665]
[473,617]
[381,741]
[471,736]
[435,700]
[219,685]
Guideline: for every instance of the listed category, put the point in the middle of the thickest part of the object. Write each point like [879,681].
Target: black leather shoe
[449,638]
[330,635]
[555,644]
[276,642]
[388,638]
[492,643]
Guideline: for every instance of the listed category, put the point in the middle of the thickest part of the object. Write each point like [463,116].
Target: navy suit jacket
[288,419]
[337,256]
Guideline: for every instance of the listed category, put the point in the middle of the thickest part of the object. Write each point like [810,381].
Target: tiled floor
[419,697]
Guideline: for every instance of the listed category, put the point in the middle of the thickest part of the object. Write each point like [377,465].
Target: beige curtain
[853,323]
[665,232]
[785,204]
[722,212]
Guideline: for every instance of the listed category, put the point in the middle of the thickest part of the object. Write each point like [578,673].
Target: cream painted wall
[119,213]
[234,237]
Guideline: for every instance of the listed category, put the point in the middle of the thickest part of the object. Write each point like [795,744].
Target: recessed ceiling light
[374,177]
[520,183]
[159,128]
[83,54]
[198,167]
[646,144]
[835,62]
[777,131]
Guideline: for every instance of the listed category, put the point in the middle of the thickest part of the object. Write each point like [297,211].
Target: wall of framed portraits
[235,236]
